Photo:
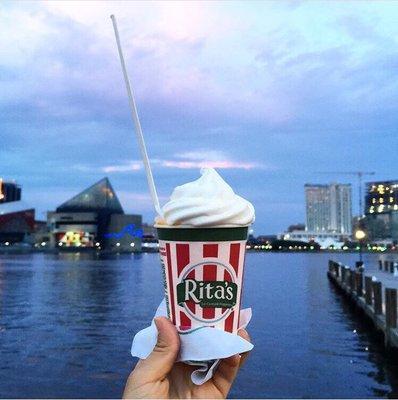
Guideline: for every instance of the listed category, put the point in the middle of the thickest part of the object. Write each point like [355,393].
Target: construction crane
[359,175]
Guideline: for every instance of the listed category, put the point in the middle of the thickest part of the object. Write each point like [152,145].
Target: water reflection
[74,315]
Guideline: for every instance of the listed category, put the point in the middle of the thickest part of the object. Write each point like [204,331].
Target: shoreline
[18,251]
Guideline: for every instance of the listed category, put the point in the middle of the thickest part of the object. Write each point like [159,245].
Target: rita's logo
[207,293]
[196,291]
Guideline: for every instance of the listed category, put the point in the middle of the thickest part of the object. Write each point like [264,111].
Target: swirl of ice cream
[208,201]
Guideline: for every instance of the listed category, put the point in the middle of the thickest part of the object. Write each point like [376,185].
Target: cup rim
[202,234]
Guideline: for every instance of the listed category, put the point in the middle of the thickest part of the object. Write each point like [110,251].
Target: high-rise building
[9,191]
[328,208]
[381,209]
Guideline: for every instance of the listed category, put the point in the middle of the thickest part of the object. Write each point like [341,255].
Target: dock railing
[374,295]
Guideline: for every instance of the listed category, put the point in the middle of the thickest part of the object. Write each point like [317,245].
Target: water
[67,322]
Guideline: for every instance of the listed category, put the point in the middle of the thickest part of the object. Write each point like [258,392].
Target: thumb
[160,362]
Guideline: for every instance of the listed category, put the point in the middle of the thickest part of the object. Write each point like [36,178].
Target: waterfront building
[324,239]
[9,191]
[296,227]
[95,218]
[381,209]
[17,222]
[328,216]
[329,209]
[17,219]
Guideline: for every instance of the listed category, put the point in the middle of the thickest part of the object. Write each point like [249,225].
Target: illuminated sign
[127,230]
[76,239]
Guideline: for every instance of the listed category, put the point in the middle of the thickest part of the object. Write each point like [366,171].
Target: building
[17,219]
[9,191]
[95,218]
[149,238]
[381,209]
[296,227]
[328,209]
[17,222]
[324,239]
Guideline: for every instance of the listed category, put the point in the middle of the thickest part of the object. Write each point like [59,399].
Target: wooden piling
[381,265]
[337,270]
[367,295]
[386,265]
[391,307]
[359,283]
[343,274]
[368,290]
[392,267]
[352,280]
[348,276]
[377,298]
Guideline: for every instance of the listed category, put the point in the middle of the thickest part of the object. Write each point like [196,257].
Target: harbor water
[67,322]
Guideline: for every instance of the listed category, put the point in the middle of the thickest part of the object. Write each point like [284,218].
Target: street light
[360,235]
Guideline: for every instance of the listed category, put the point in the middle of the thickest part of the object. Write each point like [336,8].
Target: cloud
[139,203]
[187,160]
[173,62]
[209,164]
[129,166]
[132,166]
[172,164]
[208,158]
[247,87]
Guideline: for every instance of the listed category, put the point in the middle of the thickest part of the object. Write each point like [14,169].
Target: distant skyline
[270,93]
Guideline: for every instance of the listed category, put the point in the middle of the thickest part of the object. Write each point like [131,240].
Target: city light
[360,234]
[381,198]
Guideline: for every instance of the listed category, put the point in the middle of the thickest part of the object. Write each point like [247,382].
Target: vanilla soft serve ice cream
[207,202]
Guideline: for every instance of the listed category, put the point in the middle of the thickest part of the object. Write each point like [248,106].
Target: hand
[159,376]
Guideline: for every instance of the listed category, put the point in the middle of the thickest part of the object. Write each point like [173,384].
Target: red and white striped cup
[203,273]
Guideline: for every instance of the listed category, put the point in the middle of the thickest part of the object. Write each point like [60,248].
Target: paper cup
[203,273]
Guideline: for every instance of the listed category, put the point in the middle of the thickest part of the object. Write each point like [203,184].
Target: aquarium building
[94,218]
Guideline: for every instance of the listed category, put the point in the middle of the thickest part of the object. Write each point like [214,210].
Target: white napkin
[205,345]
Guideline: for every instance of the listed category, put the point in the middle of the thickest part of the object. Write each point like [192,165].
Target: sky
[272,94]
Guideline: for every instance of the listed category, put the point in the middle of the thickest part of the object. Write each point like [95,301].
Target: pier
[374,293]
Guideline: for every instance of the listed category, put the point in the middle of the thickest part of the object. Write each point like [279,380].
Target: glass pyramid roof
[98,197]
